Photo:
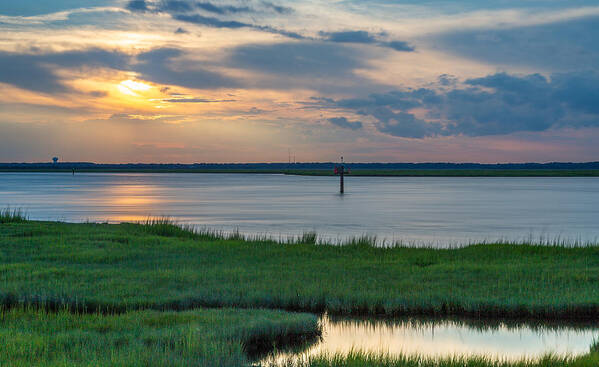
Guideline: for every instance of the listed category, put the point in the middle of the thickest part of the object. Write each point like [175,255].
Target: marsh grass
[8,215]
[169,227]
[121,267]
[166,226]
[104,294]
[367,359]
[202,337]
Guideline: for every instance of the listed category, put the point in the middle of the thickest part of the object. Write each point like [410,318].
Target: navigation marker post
[340,170]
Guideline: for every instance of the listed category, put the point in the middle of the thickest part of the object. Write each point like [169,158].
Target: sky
[120,81]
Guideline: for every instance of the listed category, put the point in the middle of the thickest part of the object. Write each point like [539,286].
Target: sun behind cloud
[130,87]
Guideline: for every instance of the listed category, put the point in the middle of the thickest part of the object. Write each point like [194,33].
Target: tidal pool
[444,338]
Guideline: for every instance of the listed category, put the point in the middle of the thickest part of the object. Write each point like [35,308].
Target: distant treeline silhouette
[295,166]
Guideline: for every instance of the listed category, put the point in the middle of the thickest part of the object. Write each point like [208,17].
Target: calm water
[445,338]
[414,209]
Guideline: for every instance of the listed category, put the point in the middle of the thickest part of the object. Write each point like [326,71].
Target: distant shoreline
[324,172]
[439,169]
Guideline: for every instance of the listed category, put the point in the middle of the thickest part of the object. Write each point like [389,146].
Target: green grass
[200,337]
[12,216]
[362,359]
[131,294]
[124,267]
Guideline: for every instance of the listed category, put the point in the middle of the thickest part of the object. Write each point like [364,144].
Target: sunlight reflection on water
[416,210]
[444,338]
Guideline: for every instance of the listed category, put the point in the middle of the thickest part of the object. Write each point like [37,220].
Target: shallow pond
[443,338]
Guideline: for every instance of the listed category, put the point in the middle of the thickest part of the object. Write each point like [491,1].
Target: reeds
[367,359]
[202,337]
[158,265]
[93,272]
[8,215]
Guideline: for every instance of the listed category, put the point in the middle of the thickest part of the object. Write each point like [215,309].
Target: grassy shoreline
[82,294]
[355,172]
[364,359]
[123,267]
[201,337]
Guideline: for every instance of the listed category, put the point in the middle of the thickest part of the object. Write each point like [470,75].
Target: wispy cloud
[345,123]
[197,100]
[365,38]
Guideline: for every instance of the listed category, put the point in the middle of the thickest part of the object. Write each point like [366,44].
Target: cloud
[210,21]
[281,66]
[365,38]
[98,93]
[297,59]
[182,6]
[137,5]
[185,11]
[350,36]
[447,80]
[175,6]
[399,46]
[197,100]
[143,117]
[38,72]
[496,104]
[404,124]
[233,24]
[181,31]
[168,66]
[31,8]
[561,46]
[278,8]
[223,9]
[345,123]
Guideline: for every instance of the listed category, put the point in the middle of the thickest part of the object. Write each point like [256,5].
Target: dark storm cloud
[495,104]
[561,46]
[38,72]
[162,66]
[365,38]
[345,123]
